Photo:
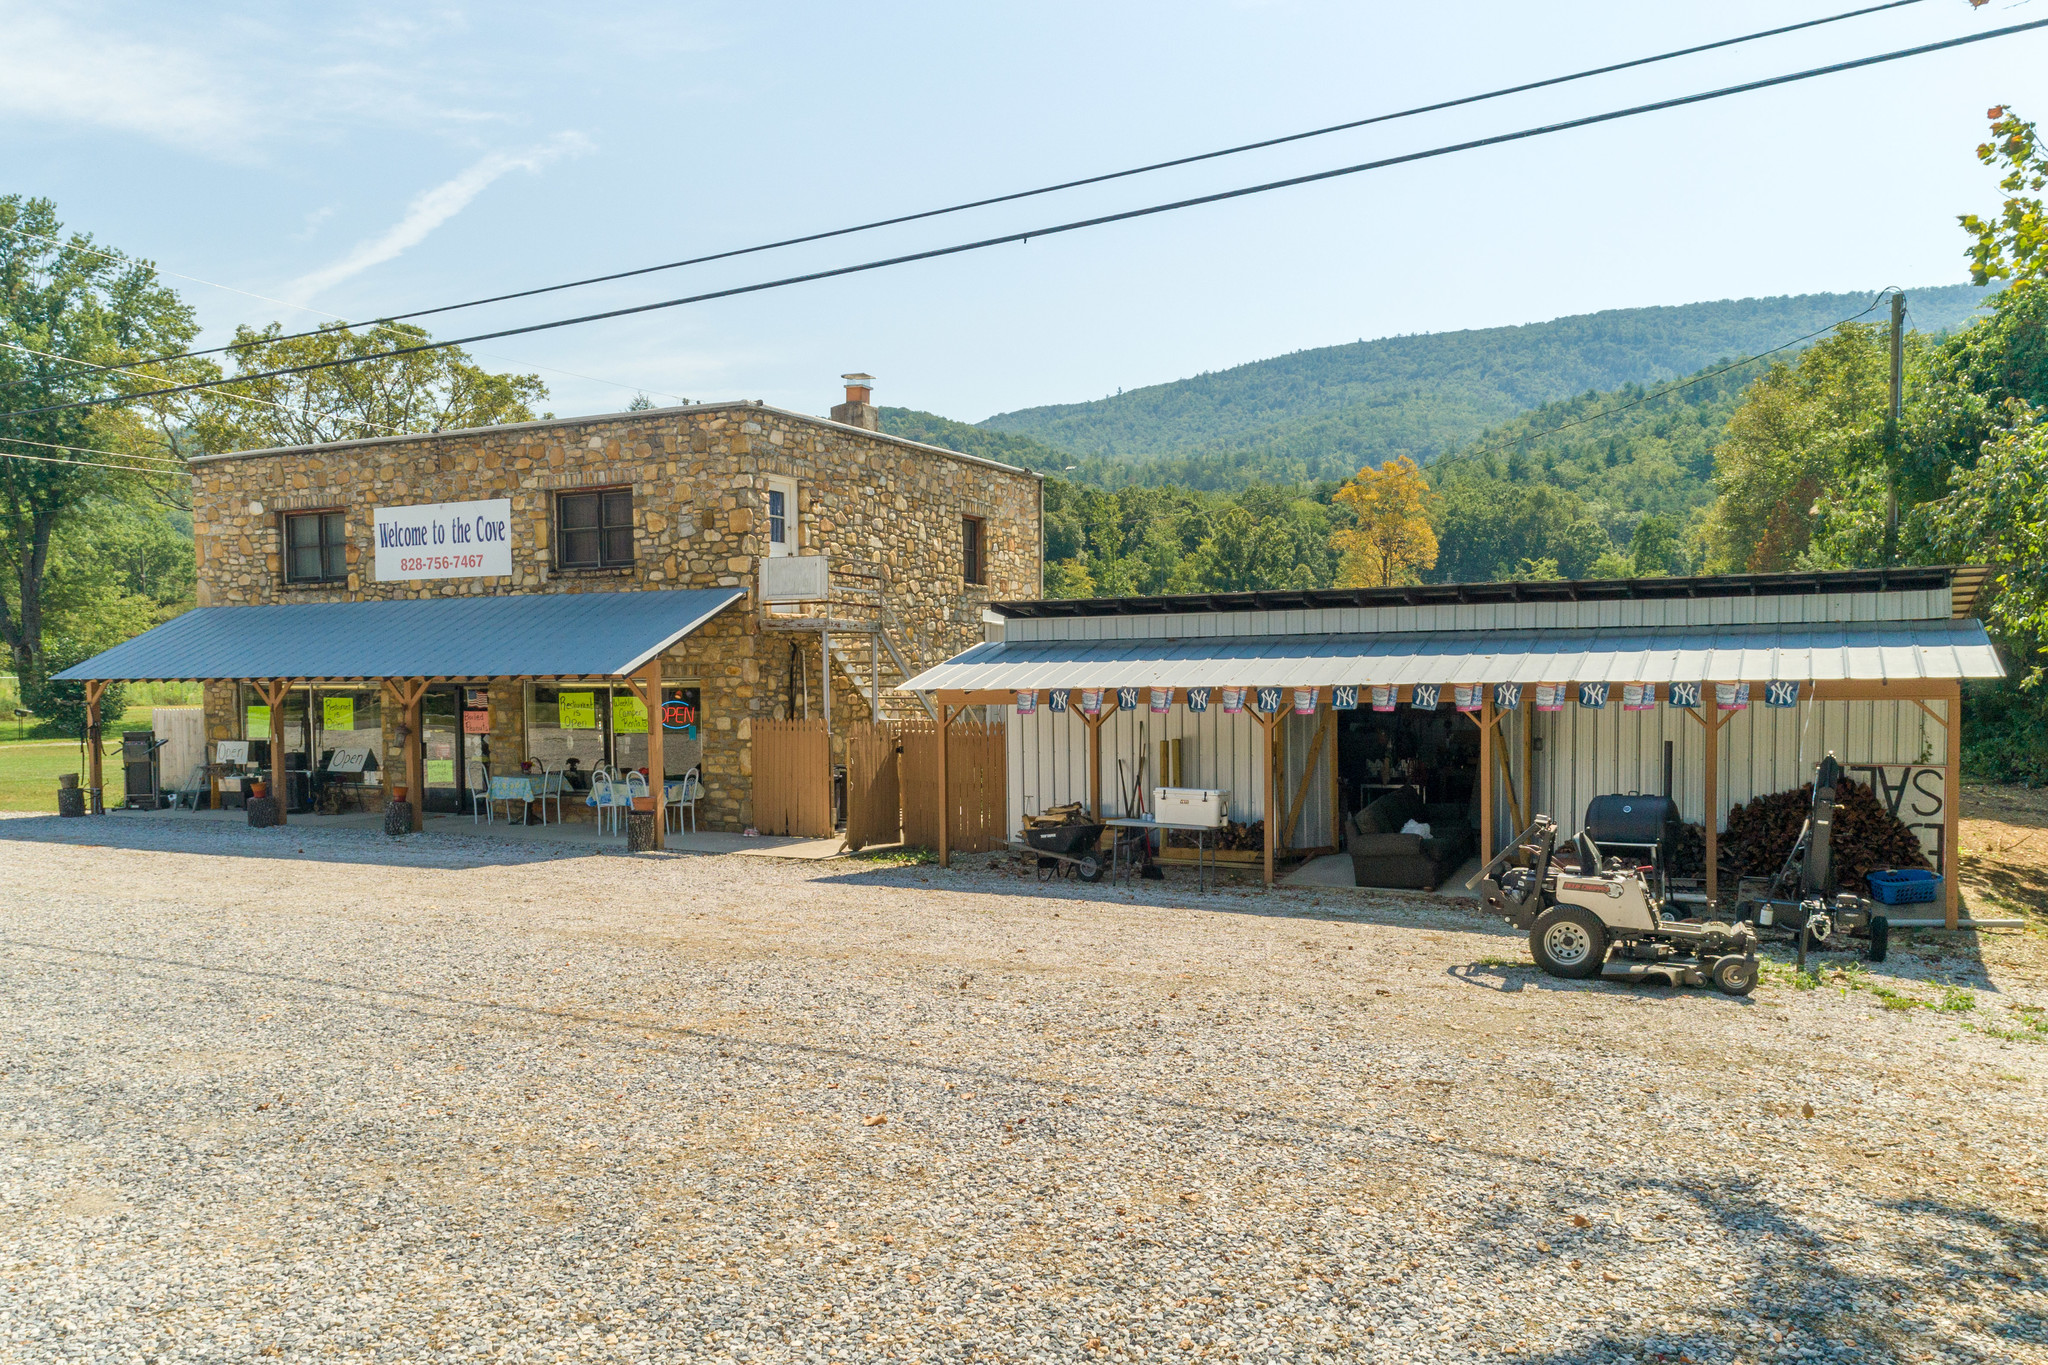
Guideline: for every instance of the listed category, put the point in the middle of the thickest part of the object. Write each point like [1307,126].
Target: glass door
[441,738]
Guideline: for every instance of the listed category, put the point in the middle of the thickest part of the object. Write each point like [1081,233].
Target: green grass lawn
[28,772]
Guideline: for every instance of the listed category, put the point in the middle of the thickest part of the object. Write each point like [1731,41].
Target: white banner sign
[444,540]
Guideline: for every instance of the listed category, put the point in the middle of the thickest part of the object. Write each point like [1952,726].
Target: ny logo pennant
[1593,695]
[1057,699]
[1425,696]
[1507,696]
[1343,699]
[1781,694]
[1198,699]
[1268,699]
[1685,695]
[1127,699]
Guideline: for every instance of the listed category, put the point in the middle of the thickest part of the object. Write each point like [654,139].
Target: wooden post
[947,715]
[1094,762]
[1952,806]
[1269,800]
[94,759]
[1710,720]
[1486,761]
[274,690]
[648,685]
[415,746]
[1528,717]
[1336,786]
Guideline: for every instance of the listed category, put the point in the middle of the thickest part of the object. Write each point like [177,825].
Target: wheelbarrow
[1067,847]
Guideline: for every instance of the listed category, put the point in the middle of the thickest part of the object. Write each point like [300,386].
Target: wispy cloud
[431,209]
[57,72]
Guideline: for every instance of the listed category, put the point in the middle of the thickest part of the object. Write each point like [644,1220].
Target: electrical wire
[85,464]
[128,369]
[1687,383]
[95,450]
[1009,238]
[1091,179]
[106,254]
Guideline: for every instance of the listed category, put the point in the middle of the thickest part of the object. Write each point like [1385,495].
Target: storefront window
[607,726]
[350,721]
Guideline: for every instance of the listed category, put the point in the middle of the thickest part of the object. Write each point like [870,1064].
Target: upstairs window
[973,550]
[596,529]
[315,549]
[782,516]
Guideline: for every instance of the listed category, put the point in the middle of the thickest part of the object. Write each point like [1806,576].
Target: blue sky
[355,158]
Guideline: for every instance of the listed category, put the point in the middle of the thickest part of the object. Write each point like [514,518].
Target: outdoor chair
[607,796]
[685,798]
[479,792]
[636,788]
[549,788]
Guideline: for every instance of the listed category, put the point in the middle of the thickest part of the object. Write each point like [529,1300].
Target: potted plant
[398,792]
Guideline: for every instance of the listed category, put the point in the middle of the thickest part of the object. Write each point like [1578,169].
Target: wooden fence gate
[874,807]
[792,778]
[977,775]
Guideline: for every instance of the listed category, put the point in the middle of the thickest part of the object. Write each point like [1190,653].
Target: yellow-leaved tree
[1391,541]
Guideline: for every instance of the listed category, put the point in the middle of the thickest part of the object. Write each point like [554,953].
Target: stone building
[887,551]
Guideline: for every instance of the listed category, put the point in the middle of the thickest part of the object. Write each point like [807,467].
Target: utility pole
[1891,429]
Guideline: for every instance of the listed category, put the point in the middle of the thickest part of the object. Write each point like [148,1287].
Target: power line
[95,450]
[106,254]
[1616,411]
[129,369]
[85,464]
[1085,180]
[1008,238]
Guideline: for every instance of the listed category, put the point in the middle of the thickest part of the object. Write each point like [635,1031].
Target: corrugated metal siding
[1925,604]
[1049,758]
[1592,752]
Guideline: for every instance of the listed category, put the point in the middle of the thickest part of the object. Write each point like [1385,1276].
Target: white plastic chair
[686,794]
[603,795]
[549,788]
[479,792]
[636,787]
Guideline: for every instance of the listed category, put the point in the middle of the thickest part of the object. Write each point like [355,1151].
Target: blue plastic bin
[1904,885]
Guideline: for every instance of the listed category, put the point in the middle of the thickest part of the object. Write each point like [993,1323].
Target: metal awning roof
[1860,650]
[523,635]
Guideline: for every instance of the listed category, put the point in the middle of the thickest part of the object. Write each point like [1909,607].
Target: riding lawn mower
[1615,916]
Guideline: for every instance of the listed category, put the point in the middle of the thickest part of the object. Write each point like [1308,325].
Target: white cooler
[1198,806]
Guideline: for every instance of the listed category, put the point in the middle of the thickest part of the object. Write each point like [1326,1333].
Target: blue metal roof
[530,635]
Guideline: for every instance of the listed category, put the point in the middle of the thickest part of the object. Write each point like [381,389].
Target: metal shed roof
[530,635]
[1966,581]
[1860,650]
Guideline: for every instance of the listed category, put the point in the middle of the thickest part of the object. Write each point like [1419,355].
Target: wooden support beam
[1267,803]
[1336,786]
[648,684]
[1094,725]
[1710,718]
[1528,710]
[274,691]
[411,690]
[95,760]
[1952,806]
[1307,771]
[1488,741]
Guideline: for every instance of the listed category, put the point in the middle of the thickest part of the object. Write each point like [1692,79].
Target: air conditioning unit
[795,578]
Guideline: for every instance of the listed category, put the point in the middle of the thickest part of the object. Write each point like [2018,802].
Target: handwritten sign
[349,761]
[231,751]
[629,714]
[476,722]
[578,710]
[338,713]
[440,772]
[259,722]
[444,540]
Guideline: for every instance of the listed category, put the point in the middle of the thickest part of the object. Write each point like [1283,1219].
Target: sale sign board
[444,540]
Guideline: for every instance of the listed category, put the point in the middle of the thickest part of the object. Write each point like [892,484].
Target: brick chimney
[857,410]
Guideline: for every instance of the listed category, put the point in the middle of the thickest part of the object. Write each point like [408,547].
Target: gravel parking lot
[320,1096]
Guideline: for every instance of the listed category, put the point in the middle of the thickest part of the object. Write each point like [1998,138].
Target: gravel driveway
[320,1096]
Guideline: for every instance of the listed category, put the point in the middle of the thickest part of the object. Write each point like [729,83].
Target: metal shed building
[1573,688]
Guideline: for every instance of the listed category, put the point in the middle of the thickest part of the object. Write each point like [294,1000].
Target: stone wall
[699,477]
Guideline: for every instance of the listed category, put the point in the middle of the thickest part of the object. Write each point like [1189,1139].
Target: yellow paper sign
[440,772]
[259,722]
[629,715]
[338,713]
[578,710]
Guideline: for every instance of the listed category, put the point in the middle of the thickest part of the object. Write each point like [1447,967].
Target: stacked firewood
[1762,833]
[1058,817]
[1251,837]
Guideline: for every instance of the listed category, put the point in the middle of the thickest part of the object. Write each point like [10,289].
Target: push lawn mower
[1610,917]
[1802,900]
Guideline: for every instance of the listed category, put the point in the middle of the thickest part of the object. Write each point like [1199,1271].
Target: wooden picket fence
[792,778]
[977,763]
[874,805]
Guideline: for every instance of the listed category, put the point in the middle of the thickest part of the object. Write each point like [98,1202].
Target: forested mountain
[1002,446]
[1324,413]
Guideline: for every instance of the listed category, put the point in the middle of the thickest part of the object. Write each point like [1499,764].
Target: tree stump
[264,812]
[640,830]
[397,818]
[71,800]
